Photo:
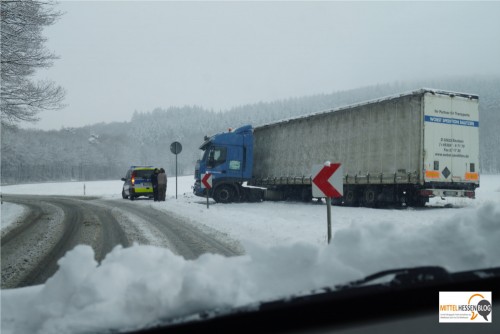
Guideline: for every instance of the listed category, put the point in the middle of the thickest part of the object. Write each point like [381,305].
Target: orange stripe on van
[432,174]
[472,176]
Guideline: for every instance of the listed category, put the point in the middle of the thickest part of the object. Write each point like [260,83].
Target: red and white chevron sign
[206,181]
[327,180]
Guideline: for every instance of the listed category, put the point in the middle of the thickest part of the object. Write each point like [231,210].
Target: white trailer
[403,148]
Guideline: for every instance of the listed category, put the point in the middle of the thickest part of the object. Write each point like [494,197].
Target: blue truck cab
[228,156]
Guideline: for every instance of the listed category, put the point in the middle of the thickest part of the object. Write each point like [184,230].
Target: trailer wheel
[224,194]
[350,198]
[370,197]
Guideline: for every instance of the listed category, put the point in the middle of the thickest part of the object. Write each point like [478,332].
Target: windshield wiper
[403,277]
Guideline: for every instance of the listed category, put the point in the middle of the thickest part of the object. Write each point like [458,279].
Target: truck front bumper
[198,190]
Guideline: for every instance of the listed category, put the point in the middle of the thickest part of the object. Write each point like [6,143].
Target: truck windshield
[204,155]
[216,156]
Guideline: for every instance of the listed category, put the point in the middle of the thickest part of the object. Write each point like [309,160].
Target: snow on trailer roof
[420,91]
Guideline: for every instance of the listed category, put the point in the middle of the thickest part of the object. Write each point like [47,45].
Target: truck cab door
[217,161]
[225,162]
[235,162]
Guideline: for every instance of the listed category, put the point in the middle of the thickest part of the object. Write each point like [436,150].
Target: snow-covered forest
[105,151]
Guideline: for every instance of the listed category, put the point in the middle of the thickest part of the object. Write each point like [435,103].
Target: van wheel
[123,195]
[132,197]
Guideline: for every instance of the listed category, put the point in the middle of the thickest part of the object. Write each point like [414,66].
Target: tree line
[106,150]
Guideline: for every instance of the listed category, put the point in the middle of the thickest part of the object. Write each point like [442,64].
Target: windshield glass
[204,154]
[143,174]
[331,159]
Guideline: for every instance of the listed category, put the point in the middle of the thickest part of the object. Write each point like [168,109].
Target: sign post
[329,218]
[206,182]
[327,182]
[175,148]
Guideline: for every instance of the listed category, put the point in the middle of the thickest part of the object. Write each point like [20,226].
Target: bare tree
[22,52]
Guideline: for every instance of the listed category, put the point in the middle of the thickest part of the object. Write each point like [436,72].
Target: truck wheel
[224,194]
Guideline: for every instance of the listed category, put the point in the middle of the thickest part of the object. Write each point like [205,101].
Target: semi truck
[400,150]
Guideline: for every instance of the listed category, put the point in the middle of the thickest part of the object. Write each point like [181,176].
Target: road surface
[54,225]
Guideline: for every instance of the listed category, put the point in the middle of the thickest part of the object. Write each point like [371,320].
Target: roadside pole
[175,148]
[176,176]
[329,217]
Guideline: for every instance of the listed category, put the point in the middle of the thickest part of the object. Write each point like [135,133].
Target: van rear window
[143,174]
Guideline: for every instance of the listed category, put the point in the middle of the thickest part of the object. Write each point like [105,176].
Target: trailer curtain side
[380,140]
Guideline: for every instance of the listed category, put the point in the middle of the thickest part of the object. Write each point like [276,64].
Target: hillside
[105,150]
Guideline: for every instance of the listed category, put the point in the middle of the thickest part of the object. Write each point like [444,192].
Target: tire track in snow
[56,224]
[173,232]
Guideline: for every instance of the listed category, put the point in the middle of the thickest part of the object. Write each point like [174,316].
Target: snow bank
[468,239]
[143,285]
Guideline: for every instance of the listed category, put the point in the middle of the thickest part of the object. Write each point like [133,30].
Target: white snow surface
[11,214]
[286,253]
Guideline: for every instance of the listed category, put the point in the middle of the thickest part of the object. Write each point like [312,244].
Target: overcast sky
[120,56]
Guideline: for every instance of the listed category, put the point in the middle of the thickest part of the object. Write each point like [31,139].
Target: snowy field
[286,253]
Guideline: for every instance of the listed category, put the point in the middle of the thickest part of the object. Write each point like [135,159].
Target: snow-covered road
[53,225]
